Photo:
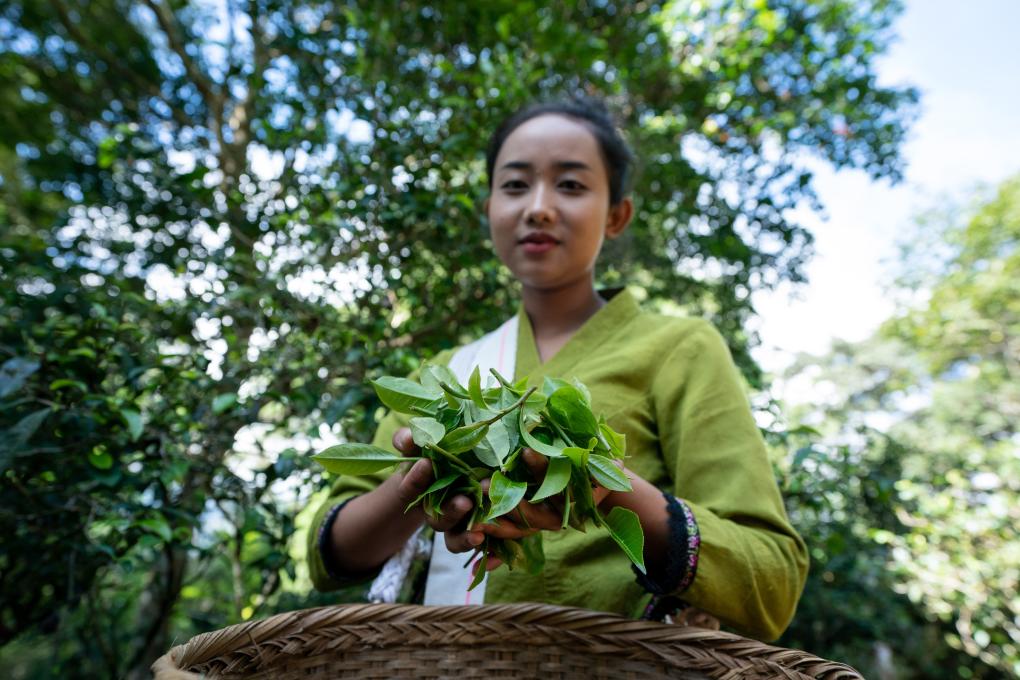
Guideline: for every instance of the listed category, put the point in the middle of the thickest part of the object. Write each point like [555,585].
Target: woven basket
[496,641]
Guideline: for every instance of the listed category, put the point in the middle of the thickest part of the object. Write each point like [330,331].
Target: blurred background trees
[218,219]
[919,486]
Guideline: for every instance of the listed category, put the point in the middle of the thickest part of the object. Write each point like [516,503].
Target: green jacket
[670,385]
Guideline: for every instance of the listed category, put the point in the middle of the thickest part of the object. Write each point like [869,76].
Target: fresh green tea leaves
[464,438]
[537,444]
[568,409]
[625,528]
[437,485]
[357,459]
[475,389]
[606,473]
[504,494]
[557,475]
[400,394]
[477,432]
[494,449]
[427,431]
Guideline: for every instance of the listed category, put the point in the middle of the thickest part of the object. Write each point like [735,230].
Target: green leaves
[427,431]
[133,420]
[476,433]
[403,395]
[557,475]
[223,402]
[14,373]
[357,459]
[569,409]
[607,473]
[504,495]
[625,528]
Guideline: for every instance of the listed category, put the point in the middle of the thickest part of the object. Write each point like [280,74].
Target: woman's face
[549,209]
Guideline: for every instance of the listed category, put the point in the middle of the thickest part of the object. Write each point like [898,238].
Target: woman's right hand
[456,511]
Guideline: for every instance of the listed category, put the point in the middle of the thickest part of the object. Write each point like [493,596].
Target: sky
[964,57]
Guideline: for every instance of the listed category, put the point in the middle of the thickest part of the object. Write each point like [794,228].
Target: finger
[453,513]
[539,516]
[404,442]
[536,462]
[492,563]
[463,541]
[504,528]
[416,480]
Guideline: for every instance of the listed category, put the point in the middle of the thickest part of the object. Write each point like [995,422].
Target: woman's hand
[529,518]
[455,511]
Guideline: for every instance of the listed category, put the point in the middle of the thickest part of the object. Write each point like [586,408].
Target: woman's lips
[536,247]
[536,243]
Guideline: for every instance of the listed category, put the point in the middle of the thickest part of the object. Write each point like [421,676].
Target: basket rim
[716,653]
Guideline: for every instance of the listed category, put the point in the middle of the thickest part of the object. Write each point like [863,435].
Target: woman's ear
[619,217]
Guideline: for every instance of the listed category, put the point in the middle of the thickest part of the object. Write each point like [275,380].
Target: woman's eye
[571,185]
[514,185]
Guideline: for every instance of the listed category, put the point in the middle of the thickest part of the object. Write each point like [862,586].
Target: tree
[938,385]
[273,201]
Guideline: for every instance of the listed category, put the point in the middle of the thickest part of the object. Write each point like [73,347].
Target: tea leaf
[534,555]
[504,494]
[557,475]
[432,376]
[427,431]
[400,394]
[577,456]
[617,442]
[437,485]
[475,388]
[495,447]
[358,459]
[567,409]
[550,385]
[584,501]
[583,389]
[625,528]
[480,571]
[535,444]
[463,438]
[607,473]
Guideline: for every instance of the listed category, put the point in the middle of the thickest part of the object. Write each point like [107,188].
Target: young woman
[716,535]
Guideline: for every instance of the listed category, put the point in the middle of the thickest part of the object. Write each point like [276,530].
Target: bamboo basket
[494,641]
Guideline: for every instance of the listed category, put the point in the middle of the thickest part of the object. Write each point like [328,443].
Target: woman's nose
[540,208]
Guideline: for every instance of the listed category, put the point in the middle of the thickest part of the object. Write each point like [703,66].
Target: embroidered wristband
[682,555]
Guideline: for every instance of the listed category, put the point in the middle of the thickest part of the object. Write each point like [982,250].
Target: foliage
[475,433]
[220,221]
[929,407]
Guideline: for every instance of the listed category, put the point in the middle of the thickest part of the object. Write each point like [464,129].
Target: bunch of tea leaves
[473,433]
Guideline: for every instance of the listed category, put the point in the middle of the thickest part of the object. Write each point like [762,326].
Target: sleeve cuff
[682,556]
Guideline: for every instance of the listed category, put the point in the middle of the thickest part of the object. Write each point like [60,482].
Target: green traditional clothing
[670,385]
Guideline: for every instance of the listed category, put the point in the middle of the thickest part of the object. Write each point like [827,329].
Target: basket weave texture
[494,641]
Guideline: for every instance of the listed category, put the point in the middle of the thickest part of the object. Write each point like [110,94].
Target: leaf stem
[559,430]
[503,381]
[460,394]
[457,462]
[508,409]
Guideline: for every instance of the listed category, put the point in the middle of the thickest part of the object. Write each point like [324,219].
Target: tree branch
[167,22]
[114,63]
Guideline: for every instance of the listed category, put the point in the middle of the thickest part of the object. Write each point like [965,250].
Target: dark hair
[592,113]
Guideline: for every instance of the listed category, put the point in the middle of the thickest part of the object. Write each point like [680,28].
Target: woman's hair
[593,113]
